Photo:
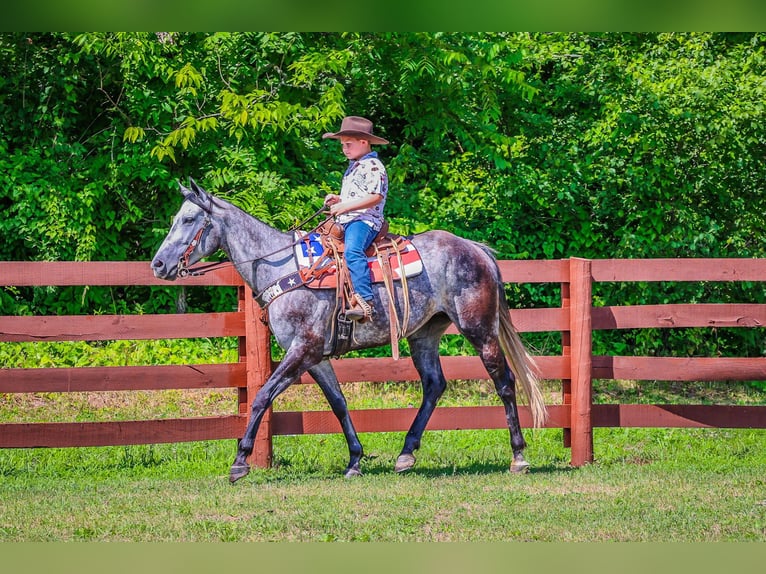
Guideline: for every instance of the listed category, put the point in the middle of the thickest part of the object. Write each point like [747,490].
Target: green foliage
[118,353]
[544,145]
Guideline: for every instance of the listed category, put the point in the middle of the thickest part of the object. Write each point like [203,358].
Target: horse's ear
[196,195]
[185,191]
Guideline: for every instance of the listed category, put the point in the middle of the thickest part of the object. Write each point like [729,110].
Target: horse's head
[192,236]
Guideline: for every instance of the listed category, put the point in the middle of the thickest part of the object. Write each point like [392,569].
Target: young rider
[359,206]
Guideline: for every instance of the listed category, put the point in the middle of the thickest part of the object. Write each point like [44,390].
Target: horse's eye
[188,220]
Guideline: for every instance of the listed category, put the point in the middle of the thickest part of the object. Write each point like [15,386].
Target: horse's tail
[523,364]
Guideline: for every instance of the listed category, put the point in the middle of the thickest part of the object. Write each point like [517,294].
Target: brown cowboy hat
[355,126]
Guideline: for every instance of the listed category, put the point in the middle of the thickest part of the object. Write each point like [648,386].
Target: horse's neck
[260,253]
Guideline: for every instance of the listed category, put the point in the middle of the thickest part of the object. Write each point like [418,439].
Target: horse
[460,283]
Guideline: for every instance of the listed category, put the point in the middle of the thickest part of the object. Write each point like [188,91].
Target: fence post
[255,350]
[580,327]
[566,351]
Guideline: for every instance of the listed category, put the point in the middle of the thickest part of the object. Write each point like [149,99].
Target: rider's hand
[331,199]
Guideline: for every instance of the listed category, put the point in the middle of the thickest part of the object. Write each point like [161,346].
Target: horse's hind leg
[505,386]
[327,380]
[425,356]
[494,361]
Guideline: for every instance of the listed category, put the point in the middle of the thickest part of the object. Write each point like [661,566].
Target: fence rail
[575,367]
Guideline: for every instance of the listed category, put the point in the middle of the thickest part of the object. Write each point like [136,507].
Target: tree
[540,145]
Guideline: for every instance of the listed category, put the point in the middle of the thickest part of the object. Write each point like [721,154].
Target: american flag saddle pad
[309,250]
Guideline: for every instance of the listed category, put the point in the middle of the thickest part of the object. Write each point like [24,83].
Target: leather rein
[183,263]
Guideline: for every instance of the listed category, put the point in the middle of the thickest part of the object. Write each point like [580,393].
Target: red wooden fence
[576,367]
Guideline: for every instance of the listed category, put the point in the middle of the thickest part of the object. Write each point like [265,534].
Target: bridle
[183,263]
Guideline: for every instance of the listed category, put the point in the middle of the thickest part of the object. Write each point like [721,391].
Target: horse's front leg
[289,370]
[325,377]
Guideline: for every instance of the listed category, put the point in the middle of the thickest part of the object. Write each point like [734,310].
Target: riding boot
[360,310]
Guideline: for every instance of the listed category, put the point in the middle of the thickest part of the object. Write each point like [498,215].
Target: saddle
[320,251]
[390,258]
[320,262]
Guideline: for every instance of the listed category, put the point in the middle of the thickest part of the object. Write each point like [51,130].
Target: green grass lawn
[646,485]
[659,485]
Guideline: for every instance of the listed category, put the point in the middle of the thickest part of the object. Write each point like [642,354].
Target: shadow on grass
[373,467]
[470,470]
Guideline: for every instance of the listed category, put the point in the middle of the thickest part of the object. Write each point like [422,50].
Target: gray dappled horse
[460,284]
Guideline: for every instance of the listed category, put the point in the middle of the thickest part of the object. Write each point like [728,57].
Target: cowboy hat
[355,126]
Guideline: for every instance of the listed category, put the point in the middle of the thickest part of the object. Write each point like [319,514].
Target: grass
[658,485]
[689,486]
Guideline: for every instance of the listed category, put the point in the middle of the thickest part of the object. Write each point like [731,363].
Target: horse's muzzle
[161,270]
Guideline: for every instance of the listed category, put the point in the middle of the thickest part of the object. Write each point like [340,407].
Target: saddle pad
[310,248]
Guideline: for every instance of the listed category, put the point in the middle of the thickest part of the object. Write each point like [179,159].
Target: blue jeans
[358,237]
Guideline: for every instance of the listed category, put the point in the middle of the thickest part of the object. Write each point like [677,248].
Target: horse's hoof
[352,472]
[238,471]
[519,467]
[404,463]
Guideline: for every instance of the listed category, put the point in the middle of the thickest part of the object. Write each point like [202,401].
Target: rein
[183,264]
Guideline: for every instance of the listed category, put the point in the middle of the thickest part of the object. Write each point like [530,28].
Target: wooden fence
[575,367]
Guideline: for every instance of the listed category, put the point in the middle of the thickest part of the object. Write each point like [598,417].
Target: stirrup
[361,310]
